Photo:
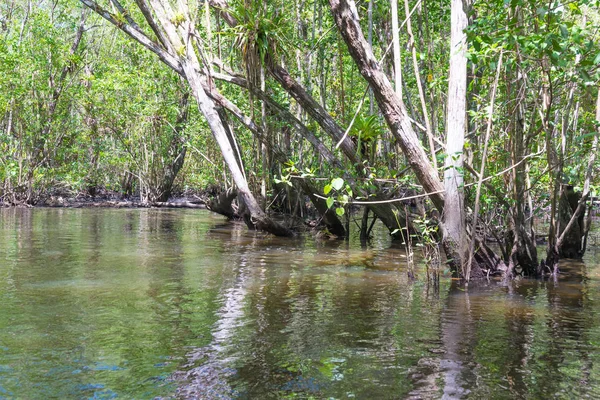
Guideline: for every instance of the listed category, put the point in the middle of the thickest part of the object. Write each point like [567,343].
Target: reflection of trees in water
[161,241]
[457,335]
[47,306]
[267,317]
[291,322]
[565,361]
[208,367]
[529,339]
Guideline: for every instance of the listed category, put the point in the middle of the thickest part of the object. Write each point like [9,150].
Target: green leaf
[564,31]
[329,202]
[327,189]
[337,183]
[340,211]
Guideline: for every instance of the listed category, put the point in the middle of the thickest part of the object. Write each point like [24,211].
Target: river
[144,304]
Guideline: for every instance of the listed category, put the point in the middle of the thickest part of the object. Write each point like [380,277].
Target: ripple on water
[145,304]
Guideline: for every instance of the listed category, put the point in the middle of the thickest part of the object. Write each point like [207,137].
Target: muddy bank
[110,199]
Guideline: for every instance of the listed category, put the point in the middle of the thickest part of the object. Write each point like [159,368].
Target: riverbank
[110,199]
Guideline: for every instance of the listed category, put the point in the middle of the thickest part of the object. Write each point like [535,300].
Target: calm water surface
[143,304]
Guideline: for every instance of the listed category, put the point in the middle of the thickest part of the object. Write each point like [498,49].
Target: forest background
[451,123]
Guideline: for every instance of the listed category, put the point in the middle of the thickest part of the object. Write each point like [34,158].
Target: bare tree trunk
[426,118]
[179,37]
[396,43]
[454,233]
[391,106]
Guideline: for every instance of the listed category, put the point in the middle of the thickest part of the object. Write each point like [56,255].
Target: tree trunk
[570,245]
[396,43]
[455,47]
[391,106]
[454,233]
[177,37]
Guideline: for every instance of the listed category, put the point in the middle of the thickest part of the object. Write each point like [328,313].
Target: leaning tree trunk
[177,50]
[395,114]
[257,217]
[385,212]
[391,106]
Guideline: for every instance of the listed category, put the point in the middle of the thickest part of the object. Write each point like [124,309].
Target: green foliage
[337,191]
[291,170]
[260,31]
[37,100]
[118,108]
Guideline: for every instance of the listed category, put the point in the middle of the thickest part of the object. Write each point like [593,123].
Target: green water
[144,304]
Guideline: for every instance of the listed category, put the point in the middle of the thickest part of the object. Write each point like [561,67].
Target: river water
[144,304]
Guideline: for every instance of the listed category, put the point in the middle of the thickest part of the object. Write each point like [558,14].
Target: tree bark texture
[391,106]
[454,232]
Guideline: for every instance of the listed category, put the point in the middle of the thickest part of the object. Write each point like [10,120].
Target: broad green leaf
[329,202]
[337,183]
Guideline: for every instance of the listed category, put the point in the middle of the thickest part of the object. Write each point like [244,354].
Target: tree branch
[137,35]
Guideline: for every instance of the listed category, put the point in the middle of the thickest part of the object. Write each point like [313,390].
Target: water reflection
[531,339]
[162,303]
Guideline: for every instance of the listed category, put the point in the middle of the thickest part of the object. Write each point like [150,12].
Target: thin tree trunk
[454,232]
[453,48]
[370,40]
[482,169]
[396,46]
